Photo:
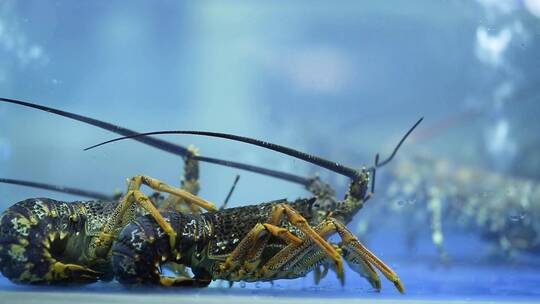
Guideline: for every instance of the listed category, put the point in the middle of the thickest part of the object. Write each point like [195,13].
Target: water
[455,214]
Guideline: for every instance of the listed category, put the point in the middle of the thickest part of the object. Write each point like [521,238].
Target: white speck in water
[242,284]
[404,202]
[517,216]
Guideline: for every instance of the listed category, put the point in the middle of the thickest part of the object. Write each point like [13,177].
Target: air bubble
[242,284]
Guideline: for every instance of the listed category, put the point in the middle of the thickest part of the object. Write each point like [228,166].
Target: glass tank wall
[455,214]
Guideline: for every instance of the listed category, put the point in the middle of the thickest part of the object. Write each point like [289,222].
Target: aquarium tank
[377,210]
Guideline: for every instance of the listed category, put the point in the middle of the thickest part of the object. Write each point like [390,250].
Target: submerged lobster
[500,208]
[246,243]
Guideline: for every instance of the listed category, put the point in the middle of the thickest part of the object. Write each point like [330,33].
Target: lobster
[500,208]
[102,241]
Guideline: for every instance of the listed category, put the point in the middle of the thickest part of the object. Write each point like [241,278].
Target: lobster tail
[34,234]
[142,247]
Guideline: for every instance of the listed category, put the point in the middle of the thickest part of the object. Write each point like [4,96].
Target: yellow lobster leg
[126,210]
[252,245]
[189,183]
[246,256]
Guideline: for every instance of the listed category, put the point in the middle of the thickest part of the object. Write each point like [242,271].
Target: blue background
[341,80]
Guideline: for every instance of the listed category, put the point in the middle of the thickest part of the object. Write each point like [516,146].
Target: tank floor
[464,281]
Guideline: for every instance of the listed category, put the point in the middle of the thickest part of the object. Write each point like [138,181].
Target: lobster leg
[353,245]
[184,281]
[189,183]
[252,245]
[253,239]
[253,257]
[355,262]
[283,234]
[295,260]
[71,273]
[301,223]
[160,186]
[124,212]
[246,256]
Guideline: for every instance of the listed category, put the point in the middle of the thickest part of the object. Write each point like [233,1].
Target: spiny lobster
[62,272]
[500,208]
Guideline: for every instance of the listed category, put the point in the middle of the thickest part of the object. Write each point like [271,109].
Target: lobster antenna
[161,144]
[333,166]
[330,165]
[61,189]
